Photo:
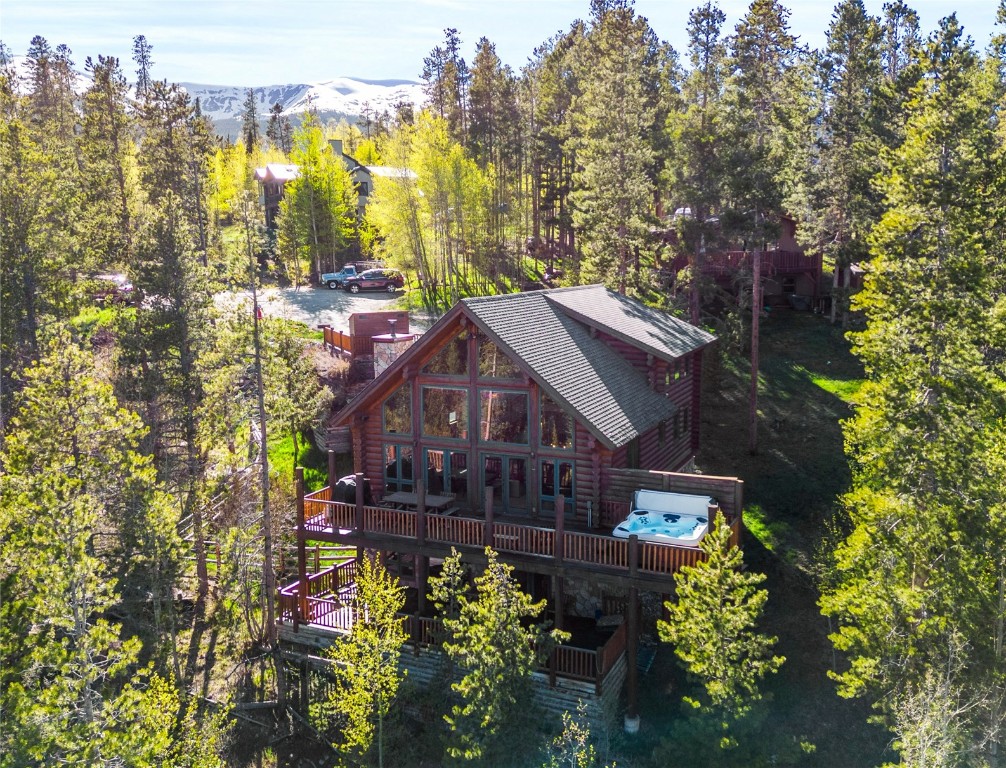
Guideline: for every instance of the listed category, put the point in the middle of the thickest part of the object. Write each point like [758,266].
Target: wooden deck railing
[463,531]
[600,550]
[337,341]
[523,539]
[332,517]
[773,262]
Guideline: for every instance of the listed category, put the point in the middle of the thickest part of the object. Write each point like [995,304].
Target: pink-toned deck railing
[773,262]
[463,531]
[591,548]
[590,665]
[324,516]
[523,539]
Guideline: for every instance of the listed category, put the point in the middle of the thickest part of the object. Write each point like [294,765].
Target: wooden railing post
[420,513]
[359,502]
[487,538]
[317,558]
[633,556]
[560,526]
[301,613]
[332,479]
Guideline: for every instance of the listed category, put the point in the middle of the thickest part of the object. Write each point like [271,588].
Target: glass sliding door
[556,480]
[507,476]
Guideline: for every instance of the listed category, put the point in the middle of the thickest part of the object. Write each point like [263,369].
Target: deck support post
[305,687]
[332,479]
[301,613]
[487,539]
[558,599]
[422,565]
[631,660]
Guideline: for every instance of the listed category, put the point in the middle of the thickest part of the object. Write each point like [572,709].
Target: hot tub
[667,518]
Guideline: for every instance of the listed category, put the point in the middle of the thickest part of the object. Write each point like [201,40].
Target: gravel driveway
[323,306]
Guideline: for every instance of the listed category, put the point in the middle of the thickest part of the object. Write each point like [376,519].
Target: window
[362,188]
[503,417]
[493,362]
[397,468]
[556,425]
[452,359]
[445,412]
[398,411]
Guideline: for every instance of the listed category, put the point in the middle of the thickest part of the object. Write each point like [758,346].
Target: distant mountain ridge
[340,97]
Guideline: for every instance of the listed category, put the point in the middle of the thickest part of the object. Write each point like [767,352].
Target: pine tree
[844,205]
[249,122]
[491,640]
[142,57]
[72,687]
[279,131]
[924,561]
[713,626]
[697,139]
[317,215]
[620,62]
[107,163]
[367,674]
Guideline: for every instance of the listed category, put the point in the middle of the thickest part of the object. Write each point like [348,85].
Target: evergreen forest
[156,425]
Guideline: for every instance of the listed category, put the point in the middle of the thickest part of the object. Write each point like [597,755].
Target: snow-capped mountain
[339,97]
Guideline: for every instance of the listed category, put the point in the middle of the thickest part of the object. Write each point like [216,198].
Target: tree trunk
[755,318]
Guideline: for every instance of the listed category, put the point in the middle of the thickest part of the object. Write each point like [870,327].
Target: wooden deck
[522,544]
[326,609]
[774,263]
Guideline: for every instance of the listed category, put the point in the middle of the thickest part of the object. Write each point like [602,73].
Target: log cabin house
[522,422]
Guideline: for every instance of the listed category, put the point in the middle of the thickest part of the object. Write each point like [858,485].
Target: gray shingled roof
[657,332]
[609,396]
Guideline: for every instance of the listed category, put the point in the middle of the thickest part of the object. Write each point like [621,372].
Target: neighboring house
[272,179]
[274,176]
[788,274]
[522,422]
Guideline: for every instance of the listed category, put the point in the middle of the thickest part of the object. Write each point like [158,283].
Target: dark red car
[389,280]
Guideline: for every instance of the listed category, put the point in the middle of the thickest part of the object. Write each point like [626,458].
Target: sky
[269,42]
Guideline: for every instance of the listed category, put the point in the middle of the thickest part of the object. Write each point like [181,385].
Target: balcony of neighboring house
[774,263]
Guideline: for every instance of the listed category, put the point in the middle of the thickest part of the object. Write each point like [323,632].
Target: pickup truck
[334,279]
[337,279]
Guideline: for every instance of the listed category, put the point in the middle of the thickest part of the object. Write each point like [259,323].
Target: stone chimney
[388,347]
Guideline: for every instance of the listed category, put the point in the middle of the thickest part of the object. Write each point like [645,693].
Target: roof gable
[549,340]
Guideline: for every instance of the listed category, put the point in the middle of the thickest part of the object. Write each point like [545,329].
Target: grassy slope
[807,379]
